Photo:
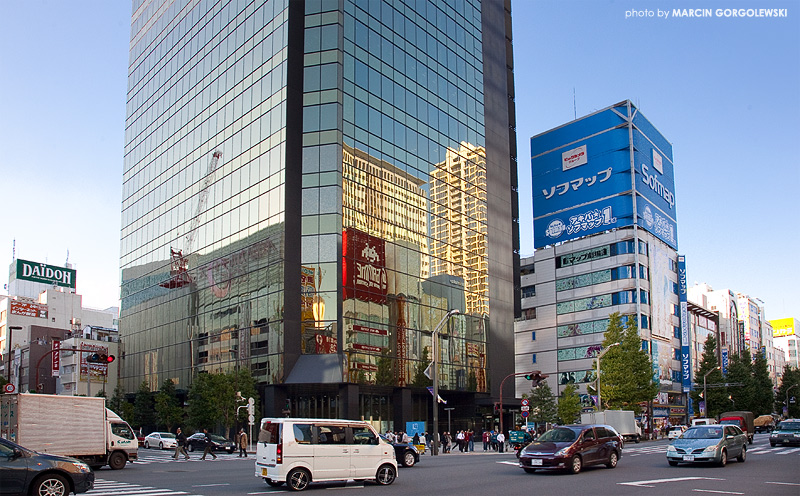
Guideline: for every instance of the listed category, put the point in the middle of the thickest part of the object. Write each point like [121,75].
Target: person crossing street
[180,445]
[242,443]
[209,446]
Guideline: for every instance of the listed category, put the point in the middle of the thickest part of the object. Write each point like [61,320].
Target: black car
[572,447]
[407,455]
[25,472]
[218,443]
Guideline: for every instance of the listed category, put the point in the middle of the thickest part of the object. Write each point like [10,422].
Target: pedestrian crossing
[163,456]
[104,487]
[751,450]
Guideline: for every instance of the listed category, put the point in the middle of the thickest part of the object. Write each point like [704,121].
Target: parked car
[572,447]
[676,431]
[407,454]
[218,443]
[25,472]
[787,432]
[162,440]
[708,444]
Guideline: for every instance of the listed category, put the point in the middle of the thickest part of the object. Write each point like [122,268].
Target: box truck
[77,426]
[742,419]
[624,421]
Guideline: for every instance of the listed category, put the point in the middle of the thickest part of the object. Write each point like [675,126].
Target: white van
[298,451]
[703,421]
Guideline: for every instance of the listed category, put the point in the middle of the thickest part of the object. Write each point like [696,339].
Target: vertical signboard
[686,358]
[725,361]
[364,266]
[56,358]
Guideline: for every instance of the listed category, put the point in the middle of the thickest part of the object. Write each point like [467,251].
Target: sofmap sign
[588,174]
[686,358]
[47,274]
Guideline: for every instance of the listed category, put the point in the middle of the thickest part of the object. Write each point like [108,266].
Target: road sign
[525,403]
[251,419]
[525,413]
[9,388]
[524,408]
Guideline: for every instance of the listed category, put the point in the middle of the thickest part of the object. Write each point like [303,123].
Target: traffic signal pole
[536,376]
[107,359]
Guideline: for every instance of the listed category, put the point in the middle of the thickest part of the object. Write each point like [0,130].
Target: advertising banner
[325,344]
[56,358]
[783,327]
[725,361]
[47,274]
[28,309]
[363,266]
[686,359]
[581,221]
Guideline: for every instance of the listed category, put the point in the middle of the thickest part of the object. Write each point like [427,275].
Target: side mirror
[17,454]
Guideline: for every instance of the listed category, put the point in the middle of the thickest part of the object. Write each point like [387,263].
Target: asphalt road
[642,470]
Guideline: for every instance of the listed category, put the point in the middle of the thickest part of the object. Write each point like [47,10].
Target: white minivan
[299,451]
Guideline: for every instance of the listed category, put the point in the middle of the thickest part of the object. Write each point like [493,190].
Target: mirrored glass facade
[309,187]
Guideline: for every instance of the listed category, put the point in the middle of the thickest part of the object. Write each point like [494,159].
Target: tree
[790,387]
[213,399]
[169,412]
[420,379]
[762,392]
[117,399]
[543,404]
[143,414]
[569,405]
[385,374]
[201,410]
[626,372]
[739,380]
[717,400]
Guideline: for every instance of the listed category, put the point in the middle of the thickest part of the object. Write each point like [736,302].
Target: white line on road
[646,483]
[212,485]
[713,491]
[510,463]
[784,483]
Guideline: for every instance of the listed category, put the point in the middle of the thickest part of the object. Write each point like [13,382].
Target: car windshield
[558,435]
[218,439]
[168,435]
[703,433]
[789,426]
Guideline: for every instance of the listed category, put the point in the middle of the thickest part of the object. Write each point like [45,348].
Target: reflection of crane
[179,265]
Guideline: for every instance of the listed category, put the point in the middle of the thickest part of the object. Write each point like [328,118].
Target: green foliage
[202,410]
[420,380]
[626,371]
[543,404]
[143,413]
[790,384]
[169,412]
[569,405]
[385,374]
[717,401]
[117,399]
[740,372]
[762,393]
[213,401]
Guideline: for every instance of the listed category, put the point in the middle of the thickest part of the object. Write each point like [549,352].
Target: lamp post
[602,353]
[705,393]
[448,410]
[8,348]
[435,335]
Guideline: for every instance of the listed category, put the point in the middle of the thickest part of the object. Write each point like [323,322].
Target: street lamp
[599,401]
[705,394]
[435,335]
[8,348]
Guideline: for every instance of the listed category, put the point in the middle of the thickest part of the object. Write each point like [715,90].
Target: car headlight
[796,434]
[563,451]
[671,449]
[710,449]
[82,467]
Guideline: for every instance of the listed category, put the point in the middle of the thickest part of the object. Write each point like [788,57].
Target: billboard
[587,175]
[364,266]
[47,274]
[784,327]
[686,358]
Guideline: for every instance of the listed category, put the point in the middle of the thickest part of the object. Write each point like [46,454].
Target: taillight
[279,454]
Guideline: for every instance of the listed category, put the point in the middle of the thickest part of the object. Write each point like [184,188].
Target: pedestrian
[209,446]
[485,440]
[501,440]
[180,444]
[471,439]
[415,439]
[446,442]
[460,441]
[242,443]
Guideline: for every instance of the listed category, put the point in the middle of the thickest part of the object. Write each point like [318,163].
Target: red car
[572,447]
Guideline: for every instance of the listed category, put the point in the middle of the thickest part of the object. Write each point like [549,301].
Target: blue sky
[724,91]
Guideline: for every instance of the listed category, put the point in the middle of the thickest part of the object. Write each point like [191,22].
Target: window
[676,332]
[331,434]
[676,353]
[362,435]
[533,335]
[528,291]
[121,430]
[676,376]
[302,433]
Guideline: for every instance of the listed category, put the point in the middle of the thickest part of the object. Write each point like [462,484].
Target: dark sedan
[407,455]
[218,443]
[787,432]
[25,472]
[572,447]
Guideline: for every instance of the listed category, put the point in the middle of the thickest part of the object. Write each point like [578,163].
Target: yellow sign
[783,327]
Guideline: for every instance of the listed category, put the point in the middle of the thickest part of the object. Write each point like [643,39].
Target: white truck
[77,426]
[624,421]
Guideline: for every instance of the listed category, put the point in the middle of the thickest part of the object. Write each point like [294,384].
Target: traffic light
[536,377]
[100,358]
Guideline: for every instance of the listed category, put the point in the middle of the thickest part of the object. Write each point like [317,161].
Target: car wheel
[146,445]
[386,475]
[273,483]
[672,463]
[529,470]
[408,459]
[51,485]
[612,460]
[191,447]
[636,440]
[576,465]
[117,461]
[298,479]
[723,458]
[750,440]
[160,445]
[772,444]
[743,455]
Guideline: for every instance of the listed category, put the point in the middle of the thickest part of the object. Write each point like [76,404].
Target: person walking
[180,445]
[242,443]
[209,446]
[501,441]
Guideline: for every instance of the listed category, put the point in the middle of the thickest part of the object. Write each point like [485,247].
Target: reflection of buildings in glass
[459,223]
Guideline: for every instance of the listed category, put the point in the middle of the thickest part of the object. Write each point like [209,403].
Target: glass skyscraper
[309,187]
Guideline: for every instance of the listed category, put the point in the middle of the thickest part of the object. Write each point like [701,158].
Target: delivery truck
[624,421]
[742,419]
[77,426]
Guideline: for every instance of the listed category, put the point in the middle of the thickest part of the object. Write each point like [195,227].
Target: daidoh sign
[47,274]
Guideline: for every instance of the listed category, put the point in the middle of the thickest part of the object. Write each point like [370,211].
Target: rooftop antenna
[574,107]
[66,263]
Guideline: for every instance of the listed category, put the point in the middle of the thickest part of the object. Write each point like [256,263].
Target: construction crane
[179,273]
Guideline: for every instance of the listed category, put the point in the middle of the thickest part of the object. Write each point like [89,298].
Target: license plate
[264,472]
[688,458]
[536,461]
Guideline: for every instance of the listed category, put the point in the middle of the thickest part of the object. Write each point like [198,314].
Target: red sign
[370,330]
[364,266]
[367,347]
[56,358]
[28,309]
[325,344]
[9,388]
[366,366]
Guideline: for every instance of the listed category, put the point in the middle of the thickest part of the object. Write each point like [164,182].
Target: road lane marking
[516,464]
[713,491]
[212,485]
[646,483]
[784,483]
